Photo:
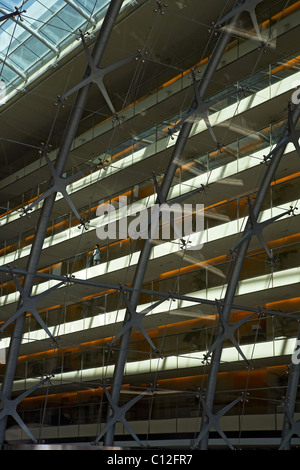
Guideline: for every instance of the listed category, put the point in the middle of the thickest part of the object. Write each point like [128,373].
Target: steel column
[37,245]
[290,401]
[235,276]
[148,243]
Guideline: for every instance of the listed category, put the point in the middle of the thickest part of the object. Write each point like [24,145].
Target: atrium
[165,137]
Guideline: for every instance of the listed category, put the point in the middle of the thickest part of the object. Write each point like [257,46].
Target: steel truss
[67,140]
[250,229]
[164,190]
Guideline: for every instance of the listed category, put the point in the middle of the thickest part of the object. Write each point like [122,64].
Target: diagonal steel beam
[167,295]
[201,111]
[235,274]
[148,243]
[59,185]
[7,15]
[228,333]
[214,420]
[290,426]
[119,415]
[97,75]
[292,136]
[29,305]
[256,229]
[9,407]
[136,320]
[248,6]
[32,266]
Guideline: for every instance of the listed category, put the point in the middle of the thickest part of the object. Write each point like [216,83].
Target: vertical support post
[67,140]
[148,244]
[234,279]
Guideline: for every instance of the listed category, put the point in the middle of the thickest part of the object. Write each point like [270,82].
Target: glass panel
[55,316]
[8,75]
[71,362]
[285,192]
[41,11]
[71,18]
[93,358]
[285,327]
[21,370]
[87,5]
[53,365]
[36,368]
[55,30]
[99,4]
[12,37]
[37,47]
[24,57]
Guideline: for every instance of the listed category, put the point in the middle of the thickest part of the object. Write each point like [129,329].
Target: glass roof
[44,32]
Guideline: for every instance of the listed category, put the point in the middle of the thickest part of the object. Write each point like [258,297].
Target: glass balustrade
[199,279]
[281,193]
[135,194]
[253,84]
[85,405]
[160,406]
[196,335]
[214,216]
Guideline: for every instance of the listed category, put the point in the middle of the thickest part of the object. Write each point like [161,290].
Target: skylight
[40,36]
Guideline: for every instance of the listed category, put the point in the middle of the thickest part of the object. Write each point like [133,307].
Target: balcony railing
[261,80]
